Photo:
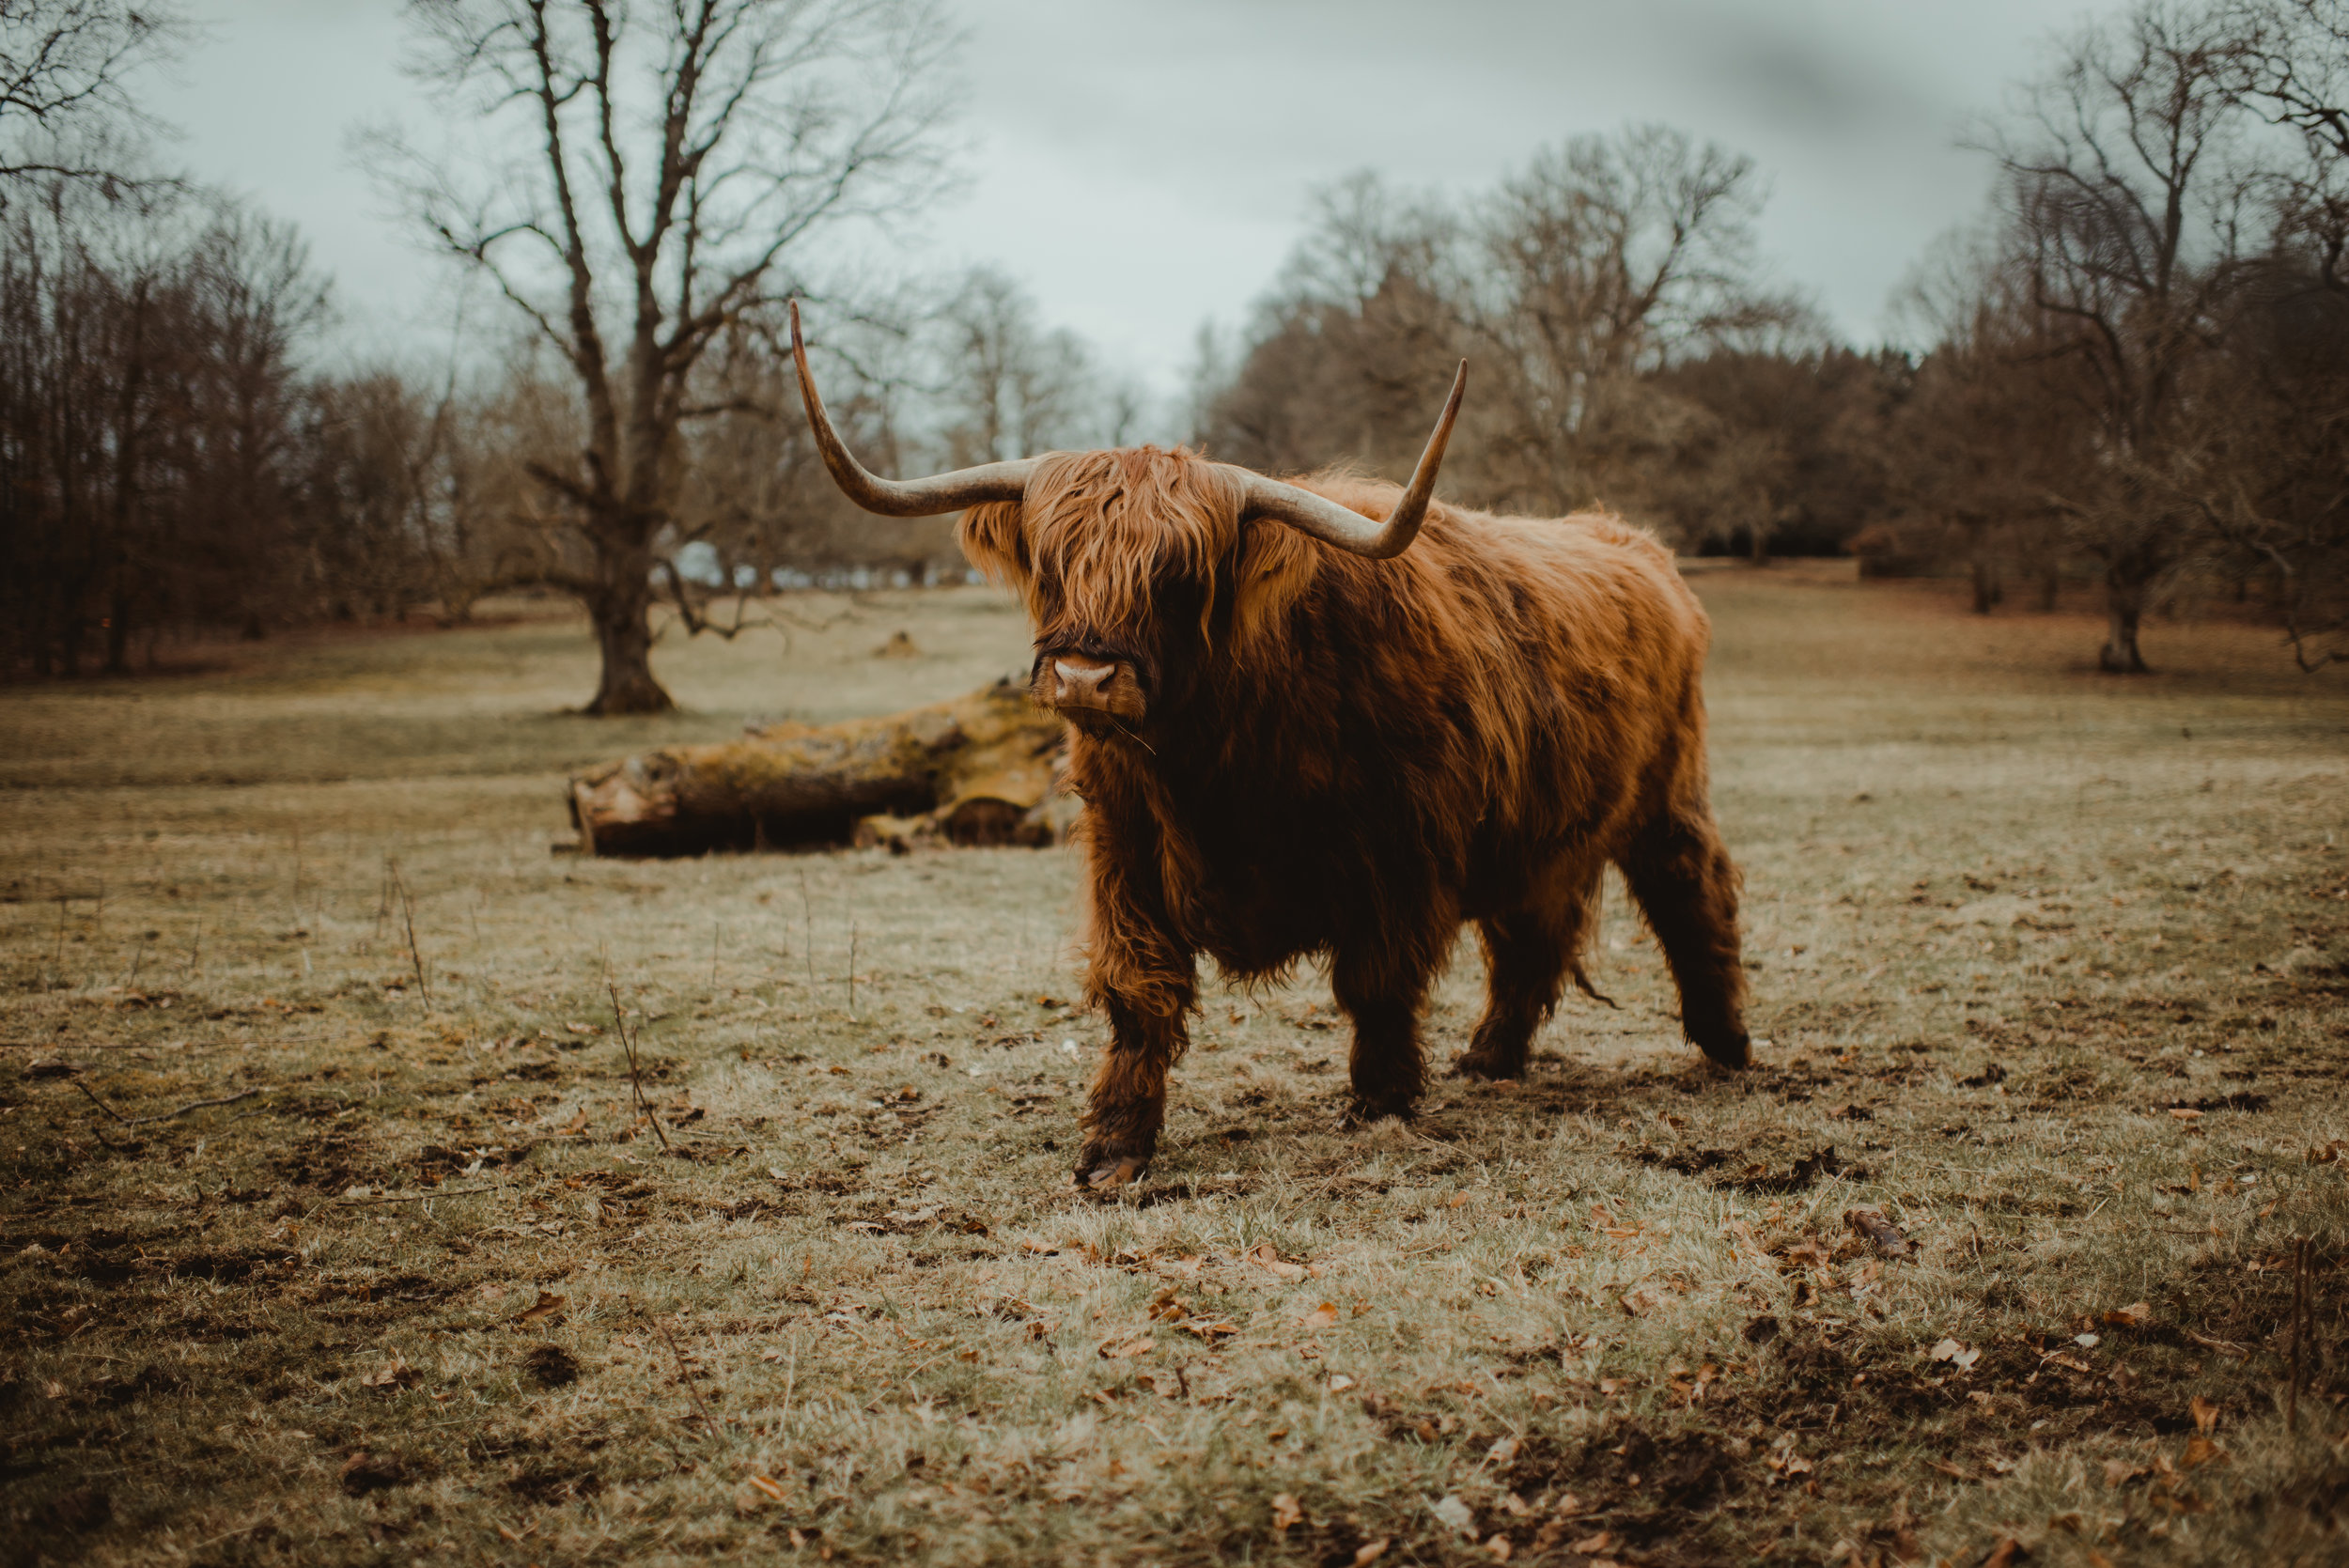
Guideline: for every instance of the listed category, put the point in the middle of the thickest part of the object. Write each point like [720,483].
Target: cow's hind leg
[1529,952]
[1688,888]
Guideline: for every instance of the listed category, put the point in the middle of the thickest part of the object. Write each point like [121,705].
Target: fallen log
[982,768]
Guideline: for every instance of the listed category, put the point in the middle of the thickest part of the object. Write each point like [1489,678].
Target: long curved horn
[1345,528]
[891,498]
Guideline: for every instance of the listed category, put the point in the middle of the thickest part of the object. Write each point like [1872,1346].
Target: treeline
[161,463]
[171,466]
[1625,351]
[2134,369]
[617,420]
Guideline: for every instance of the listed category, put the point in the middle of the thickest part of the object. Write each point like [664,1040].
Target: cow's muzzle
[1092,694]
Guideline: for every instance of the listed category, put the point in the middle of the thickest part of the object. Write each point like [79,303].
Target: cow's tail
[1593,901]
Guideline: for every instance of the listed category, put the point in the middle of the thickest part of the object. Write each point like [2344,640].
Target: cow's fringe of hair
[1111,520]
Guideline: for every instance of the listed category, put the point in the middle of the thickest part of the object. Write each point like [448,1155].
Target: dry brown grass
[855,1308]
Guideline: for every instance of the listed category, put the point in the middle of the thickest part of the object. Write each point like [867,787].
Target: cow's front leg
[1145,978]
[1127,1104]
[1382,989]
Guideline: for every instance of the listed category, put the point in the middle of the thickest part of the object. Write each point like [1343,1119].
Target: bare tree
[2290,59]
[681,155]
[2274,482]
[1368,311]
[2125,220]
[1782,449]
[1607,260]
[67,110]
[148,421]
[1013,387]
[1611,255]
[1993,429]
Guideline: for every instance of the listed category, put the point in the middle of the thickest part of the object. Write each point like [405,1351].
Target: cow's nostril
[1084,679]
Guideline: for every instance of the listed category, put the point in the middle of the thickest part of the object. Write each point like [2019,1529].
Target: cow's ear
[993,540]
[1273,566]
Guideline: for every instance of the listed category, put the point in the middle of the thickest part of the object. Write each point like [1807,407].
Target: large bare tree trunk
[978,770]
[622,612]
[2124,605]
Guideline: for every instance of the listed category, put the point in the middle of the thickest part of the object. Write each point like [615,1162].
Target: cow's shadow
[1638,1100]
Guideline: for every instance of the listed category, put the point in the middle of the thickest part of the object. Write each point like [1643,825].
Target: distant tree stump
[982,768]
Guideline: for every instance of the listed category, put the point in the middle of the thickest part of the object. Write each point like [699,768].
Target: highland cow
[1333,718]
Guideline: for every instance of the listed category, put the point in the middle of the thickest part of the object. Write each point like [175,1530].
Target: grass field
[2050,968]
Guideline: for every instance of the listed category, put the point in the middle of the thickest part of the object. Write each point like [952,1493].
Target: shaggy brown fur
[1350,757]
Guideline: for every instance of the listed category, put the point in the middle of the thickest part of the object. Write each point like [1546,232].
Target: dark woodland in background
[2130,374]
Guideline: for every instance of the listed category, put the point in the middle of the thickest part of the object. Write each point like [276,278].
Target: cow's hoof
[1486,1064]
[1359,1114]
[1106,1173]
[1728,1049]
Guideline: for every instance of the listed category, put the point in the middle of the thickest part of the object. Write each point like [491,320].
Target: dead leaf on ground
[364,1472]
[1881,1234]
[2006,1553]
[2224,1348]
[1320,1317]
[1590,1545]
[2119,1472]
[1286,1512]
[1640,1302]
[2201,1451]
[2135,1315]
[2205,1414]
[1370,1552]
[547,1309]
[1110,1352]
[1499,1546]
[1955,1354]
[770,1485]
[396,1373]
[1267,1257]
[1806,1252]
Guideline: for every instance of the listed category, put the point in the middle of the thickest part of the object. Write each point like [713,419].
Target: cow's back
[1573,652]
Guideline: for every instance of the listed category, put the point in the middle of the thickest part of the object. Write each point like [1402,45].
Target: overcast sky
[1144,168]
